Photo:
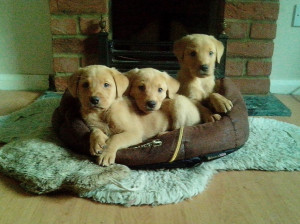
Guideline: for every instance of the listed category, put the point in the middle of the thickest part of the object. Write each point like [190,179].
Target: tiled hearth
[250,26]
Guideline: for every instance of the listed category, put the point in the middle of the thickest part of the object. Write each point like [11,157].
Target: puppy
[114,121]
[197,55]
[153,90]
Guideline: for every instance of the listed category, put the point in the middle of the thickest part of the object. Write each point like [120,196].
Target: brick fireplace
[250,26]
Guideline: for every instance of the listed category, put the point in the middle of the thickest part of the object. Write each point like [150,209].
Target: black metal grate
[126,55]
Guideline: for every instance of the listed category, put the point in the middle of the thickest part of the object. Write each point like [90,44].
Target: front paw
[224,106]
[107,158]
[97,143]
[96,148]
[220,103]
[211,117]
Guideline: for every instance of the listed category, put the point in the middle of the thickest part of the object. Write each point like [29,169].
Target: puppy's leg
[116,142]
[97,141]
[183,112]
[220,103]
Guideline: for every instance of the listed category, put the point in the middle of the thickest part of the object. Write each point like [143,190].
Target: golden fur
[152,86]
[114,121]
[197,55]
[148,85]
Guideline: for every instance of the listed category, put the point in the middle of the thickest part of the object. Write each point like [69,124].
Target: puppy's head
[198,53]
[149,87]
[97,86]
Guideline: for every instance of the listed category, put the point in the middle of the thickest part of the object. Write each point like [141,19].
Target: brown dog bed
[172,149]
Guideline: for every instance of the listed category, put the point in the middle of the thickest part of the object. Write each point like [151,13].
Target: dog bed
[184,146]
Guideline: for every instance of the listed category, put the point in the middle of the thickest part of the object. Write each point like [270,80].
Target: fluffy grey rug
[36,158]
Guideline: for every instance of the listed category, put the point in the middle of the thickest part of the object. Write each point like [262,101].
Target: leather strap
[177,146]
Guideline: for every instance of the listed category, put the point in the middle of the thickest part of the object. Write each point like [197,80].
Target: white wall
[25,44]
[285,76]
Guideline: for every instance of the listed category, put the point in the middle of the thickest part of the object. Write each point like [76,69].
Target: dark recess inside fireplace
[143,32]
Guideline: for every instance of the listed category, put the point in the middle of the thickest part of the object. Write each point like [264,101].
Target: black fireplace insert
[143,32]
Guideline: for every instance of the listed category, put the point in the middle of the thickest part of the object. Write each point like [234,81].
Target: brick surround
[251,27]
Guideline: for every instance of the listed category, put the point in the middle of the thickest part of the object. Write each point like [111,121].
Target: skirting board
[24,82]
[285,86]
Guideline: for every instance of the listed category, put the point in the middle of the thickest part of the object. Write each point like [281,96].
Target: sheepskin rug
[36,158]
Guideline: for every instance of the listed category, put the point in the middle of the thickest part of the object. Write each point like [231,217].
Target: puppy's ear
[179,47]
[121,81]
[131,75]
[173,85]
[219,47]
[73,82]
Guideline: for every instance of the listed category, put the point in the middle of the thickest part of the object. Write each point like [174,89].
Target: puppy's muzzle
[204,68]
[94,100]
[150,105]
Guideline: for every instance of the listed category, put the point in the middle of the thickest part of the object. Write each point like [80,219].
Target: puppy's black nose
[94,100]
[151,104]
[204,68]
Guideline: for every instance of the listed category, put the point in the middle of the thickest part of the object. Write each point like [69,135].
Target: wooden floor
[231,197]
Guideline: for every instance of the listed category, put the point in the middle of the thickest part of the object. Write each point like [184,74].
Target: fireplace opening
[167,20]
[143,32]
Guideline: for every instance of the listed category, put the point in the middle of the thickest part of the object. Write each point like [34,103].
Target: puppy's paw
[216,117]
[107,158]
[220,103]
[97,142]
[211,117]
[223,106]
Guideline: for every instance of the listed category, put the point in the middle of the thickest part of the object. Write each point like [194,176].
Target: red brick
[61,83]
[234,67]
[253,86]
[237,30]
[69,45]
[63,64]
[250,48]
[259,68]
[53,6]
[263,31]
[78,6]
[76,45]
[252,10]
[63,26]
[89,25]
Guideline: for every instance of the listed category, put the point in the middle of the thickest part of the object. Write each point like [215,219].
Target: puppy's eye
[106,85]
[211,53]
[85,85]
[141,88]
[193,53]
[160,90]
